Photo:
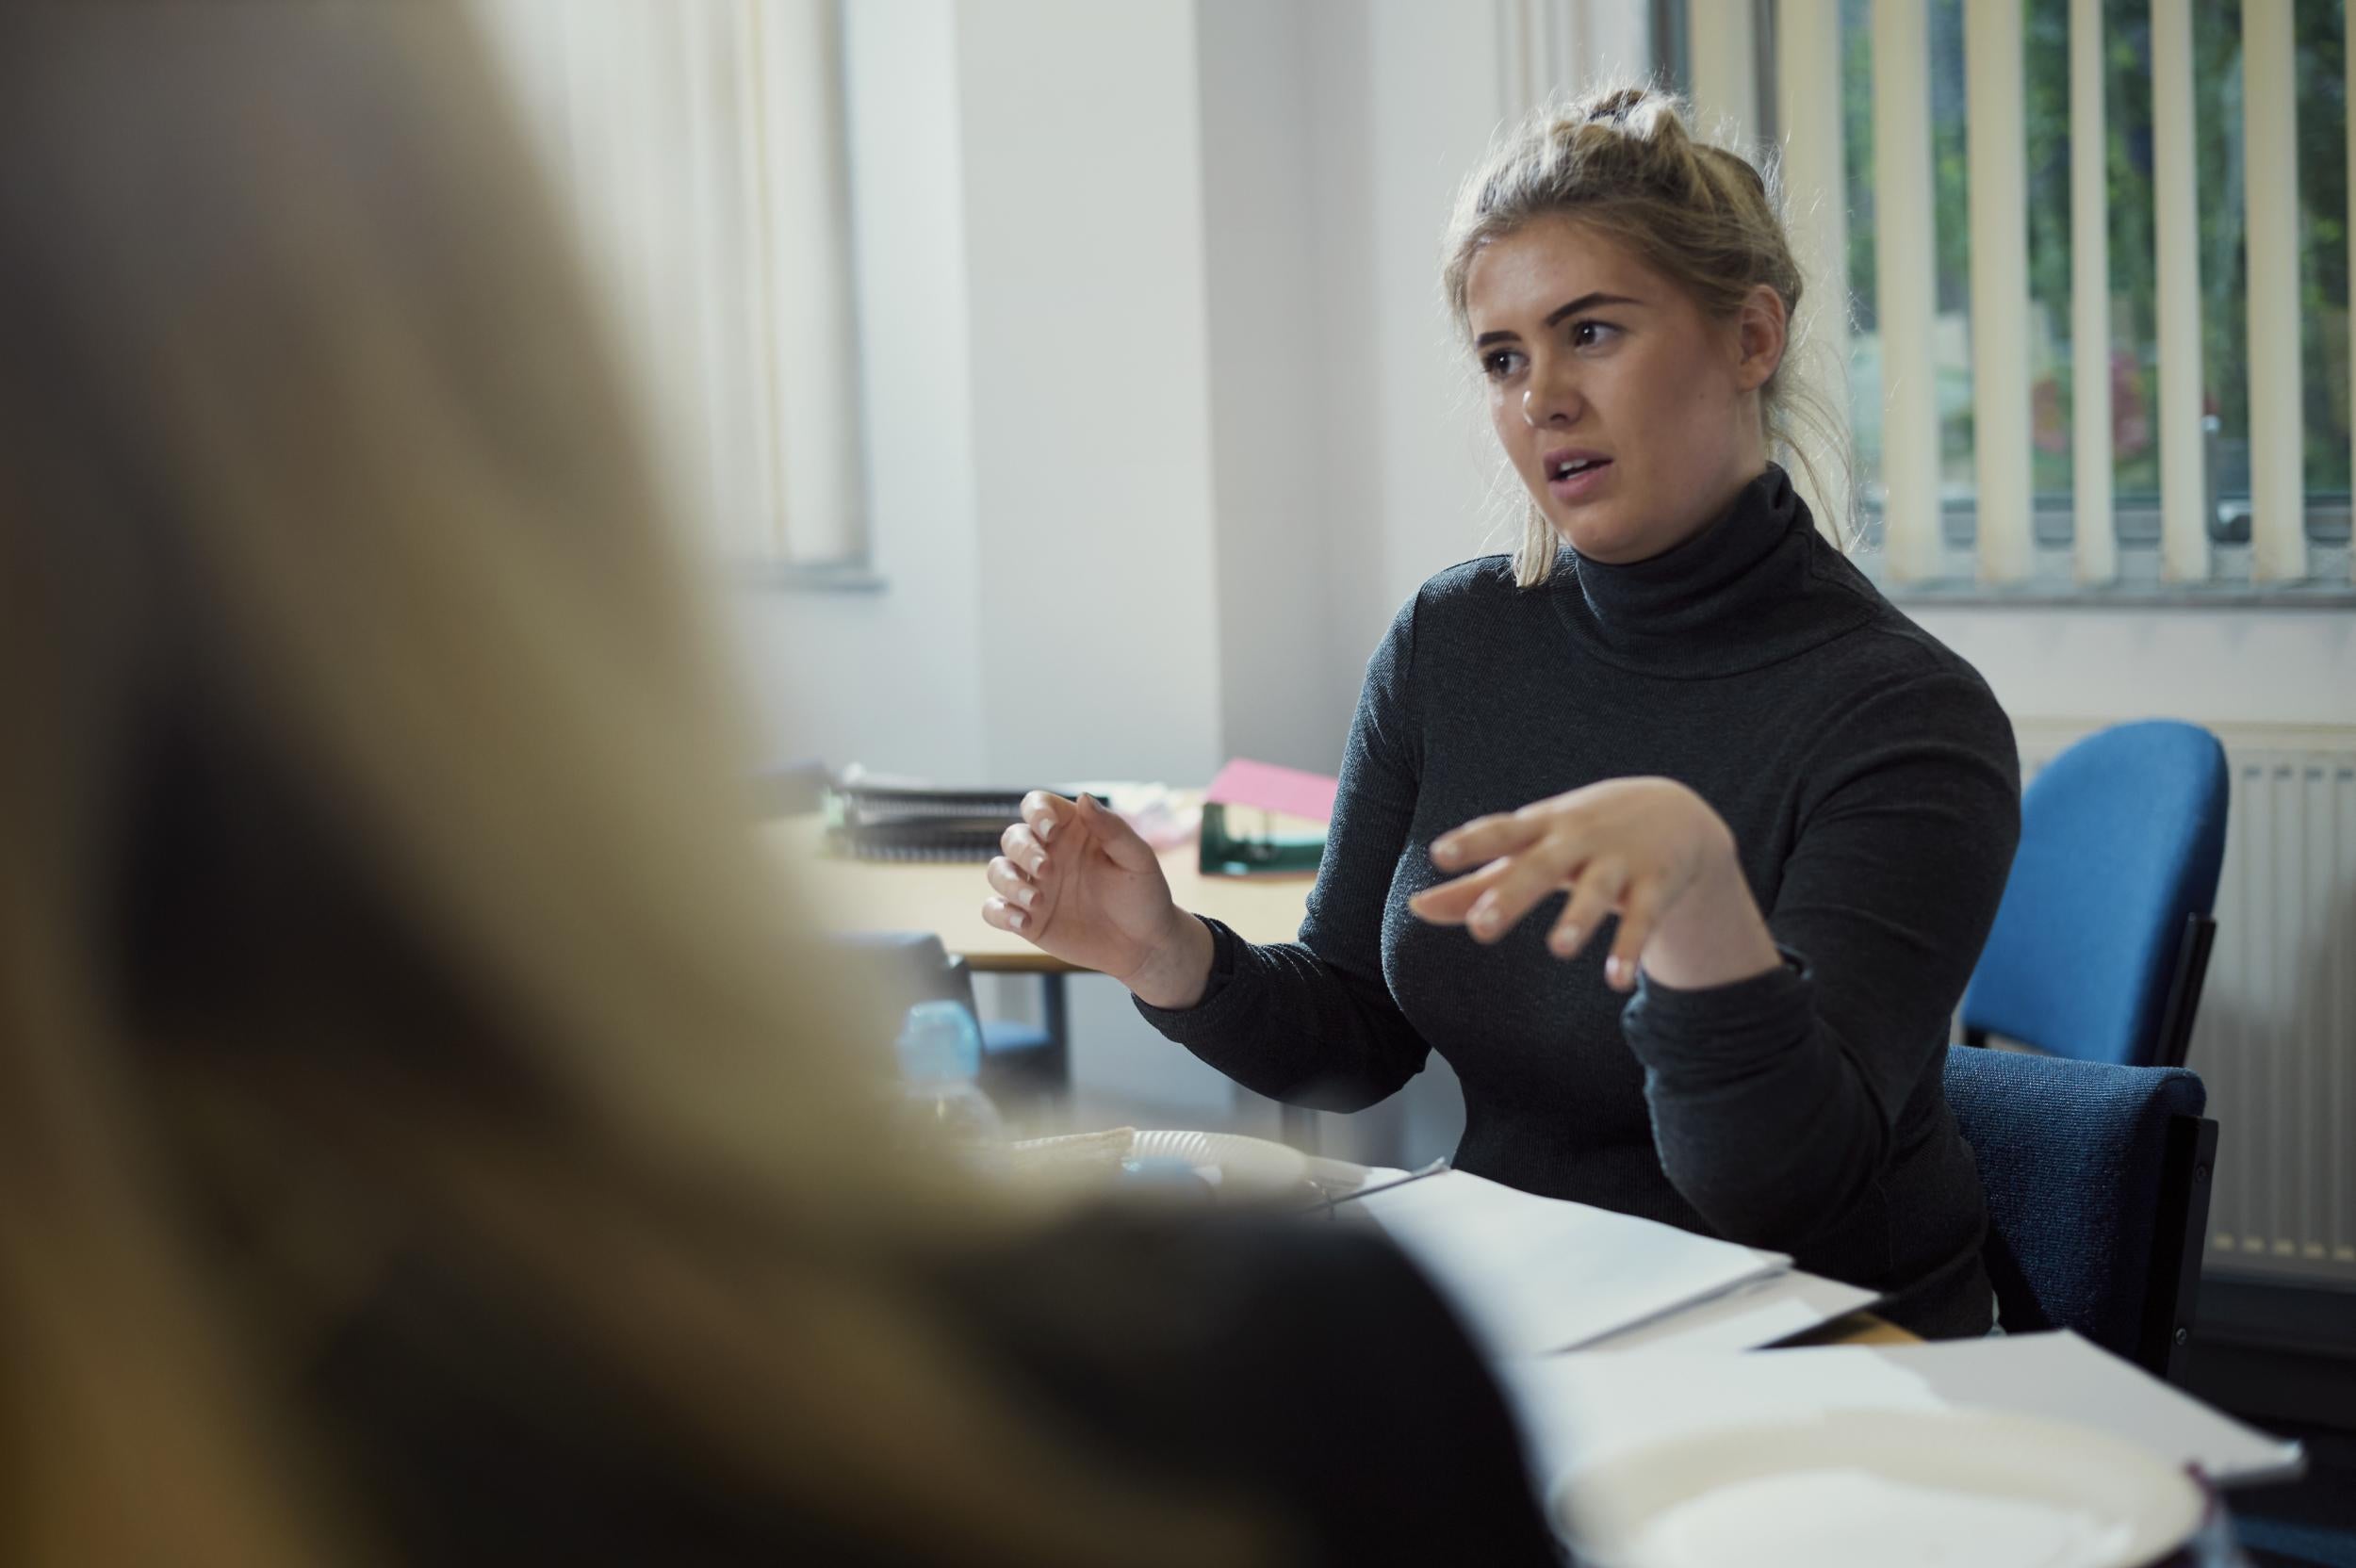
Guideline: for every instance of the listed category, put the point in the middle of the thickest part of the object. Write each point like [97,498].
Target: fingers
[1596,894]
[1007,880]
[1017,902]
[1042,812]
[1022,846]
[1487,839]
[1640,911]
[1527,877]
[1450,903]
[1120,841]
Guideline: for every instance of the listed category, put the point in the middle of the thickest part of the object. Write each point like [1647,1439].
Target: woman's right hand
[1076,882]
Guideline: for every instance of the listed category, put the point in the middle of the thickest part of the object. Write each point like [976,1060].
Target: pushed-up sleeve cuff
[1667,1025]
[1221,997]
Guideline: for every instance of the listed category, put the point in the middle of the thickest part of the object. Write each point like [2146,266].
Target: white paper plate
[1243,1170]
[1882,1489]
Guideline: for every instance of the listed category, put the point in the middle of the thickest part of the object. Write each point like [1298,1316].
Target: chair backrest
[884,974]
[2121,838]
[2096,1179]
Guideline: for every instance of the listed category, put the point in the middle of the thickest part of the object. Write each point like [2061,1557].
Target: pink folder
[1265,784]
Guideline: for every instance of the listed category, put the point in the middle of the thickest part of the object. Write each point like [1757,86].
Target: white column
[805,220]
[2277,448]
[1614,38]
[1996,140]
[1816,206]
[1519,34]
[1907,301]
[2094,528]
[1725,69]
[2183,487]
[1549,48]
[1082,151]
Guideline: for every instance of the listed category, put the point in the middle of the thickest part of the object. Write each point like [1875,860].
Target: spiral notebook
[874,817]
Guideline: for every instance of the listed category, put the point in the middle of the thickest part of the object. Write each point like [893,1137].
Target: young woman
[419,1140]
[1677,710]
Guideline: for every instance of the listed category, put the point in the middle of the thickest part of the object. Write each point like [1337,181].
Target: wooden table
[1858,1328]
[946,897]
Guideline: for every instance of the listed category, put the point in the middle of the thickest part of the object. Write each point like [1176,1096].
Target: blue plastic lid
[940,1039]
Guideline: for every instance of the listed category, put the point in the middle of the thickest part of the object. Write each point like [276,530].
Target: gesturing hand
[1648,850]
[1075,881]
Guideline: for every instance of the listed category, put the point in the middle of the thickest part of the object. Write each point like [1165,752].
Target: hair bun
[1617,104]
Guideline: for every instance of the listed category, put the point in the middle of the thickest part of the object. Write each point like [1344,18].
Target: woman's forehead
[1548,263]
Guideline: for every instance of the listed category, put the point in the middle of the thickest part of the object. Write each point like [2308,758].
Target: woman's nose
[1551,397]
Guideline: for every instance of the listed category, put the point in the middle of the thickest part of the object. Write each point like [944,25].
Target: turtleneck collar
[1747,591]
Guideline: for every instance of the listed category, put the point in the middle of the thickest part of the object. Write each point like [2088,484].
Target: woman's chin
[1598,536]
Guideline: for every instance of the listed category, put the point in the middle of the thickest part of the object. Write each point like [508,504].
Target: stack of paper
[1580,1410]
[1757,1313]
[1535,1275]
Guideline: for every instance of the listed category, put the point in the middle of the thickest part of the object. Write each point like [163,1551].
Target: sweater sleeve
[1775,1101]
[1311,1021]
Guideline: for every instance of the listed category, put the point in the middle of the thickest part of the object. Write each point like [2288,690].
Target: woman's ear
[1760,329]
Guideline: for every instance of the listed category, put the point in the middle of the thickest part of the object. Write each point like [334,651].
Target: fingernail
[1485,918]
[1566,941]
[1026,896]
[1046,829]
[1615,970]
[1038,867]
[1018,920]
[1444,853]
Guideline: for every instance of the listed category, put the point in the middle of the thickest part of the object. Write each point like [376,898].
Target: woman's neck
[1741,591]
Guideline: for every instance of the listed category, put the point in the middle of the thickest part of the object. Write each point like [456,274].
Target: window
[700,145]
[2132,301]
[2228,478]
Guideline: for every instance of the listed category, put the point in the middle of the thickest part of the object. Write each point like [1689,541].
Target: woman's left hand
[1648,850]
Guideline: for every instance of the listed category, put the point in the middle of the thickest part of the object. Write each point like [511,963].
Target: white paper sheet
[1759,1312]
[1577,1409]
[1535,1274]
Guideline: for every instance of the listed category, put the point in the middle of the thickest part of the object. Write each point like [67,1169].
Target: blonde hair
[1623,162]
[317,483]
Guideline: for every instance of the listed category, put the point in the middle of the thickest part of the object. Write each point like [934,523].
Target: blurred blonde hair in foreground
[380,884]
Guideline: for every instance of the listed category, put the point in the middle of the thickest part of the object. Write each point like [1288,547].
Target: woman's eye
[1499,363]
[1586,335]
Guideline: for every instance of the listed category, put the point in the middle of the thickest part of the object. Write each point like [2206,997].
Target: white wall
[892,679]
[1100,650]
[1434,104]
[1277,470]
[2249,666]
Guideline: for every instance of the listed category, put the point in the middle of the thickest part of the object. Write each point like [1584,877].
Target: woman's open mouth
[1575,476]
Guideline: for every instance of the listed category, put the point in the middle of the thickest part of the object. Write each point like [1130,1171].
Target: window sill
[796,577]
[2050,584]
[2222,596]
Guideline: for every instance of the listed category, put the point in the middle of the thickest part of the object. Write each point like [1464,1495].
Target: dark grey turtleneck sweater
[1870,782]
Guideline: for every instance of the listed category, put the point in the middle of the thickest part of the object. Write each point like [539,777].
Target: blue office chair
[2103,940]
[2097,1195]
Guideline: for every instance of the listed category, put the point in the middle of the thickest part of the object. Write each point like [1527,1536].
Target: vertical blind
[1548,46]
[1810,120]
[1810,87]
[699,145]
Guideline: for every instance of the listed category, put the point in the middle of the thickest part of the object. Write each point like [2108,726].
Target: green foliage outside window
[2134,368]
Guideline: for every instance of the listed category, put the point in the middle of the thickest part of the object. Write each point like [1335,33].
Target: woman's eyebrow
[1585,302]
[1589,302]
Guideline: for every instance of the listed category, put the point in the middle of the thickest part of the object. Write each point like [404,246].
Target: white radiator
[2276,1035]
